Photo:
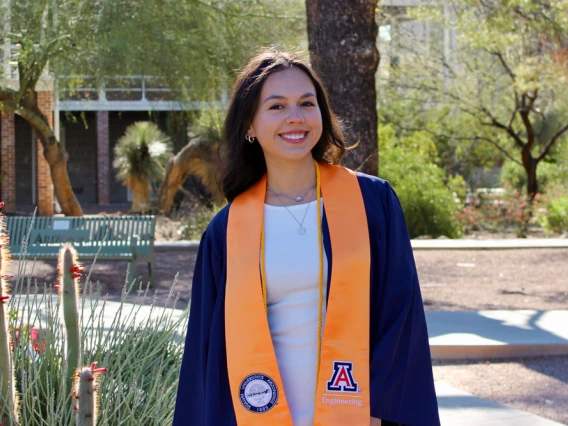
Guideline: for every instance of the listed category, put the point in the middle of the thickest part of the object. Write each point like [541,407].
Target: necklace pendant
[298,199]
[301,230]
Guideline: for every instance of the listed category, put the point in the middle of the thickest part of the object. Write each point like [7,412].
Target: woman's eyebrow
[305,95]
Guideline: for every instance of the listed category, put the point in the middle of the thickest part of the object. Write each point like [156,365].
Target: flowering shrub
[499,212]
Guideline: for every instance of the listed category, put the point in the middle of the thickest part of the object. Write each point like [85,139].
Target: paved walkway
[459,408]
[497,334]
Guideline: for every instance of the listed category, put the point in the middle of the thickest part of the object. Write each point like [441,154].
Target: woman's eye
[308,103]
[276,106]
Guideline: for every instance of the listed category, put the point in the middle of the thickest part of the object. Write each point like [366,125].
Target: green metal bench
[128,238]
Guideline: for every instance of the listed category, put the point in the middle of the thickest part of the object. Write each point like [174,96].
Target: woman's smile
[294,138]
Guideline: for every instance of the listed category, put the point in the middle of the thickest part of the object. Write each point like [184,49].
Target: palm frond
[142,153]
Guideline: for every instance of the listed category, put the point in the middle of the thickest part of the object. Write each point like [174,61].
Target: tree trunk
[529,164]
[141,191]
[55,156]
[342,38]
[532,183]
[198,158]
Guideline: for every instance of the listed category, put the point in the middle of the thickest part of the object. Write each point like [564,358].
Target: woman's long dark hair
[242,163]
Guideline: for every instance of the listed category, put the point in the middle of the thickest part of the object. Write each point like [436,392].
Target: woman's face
[287,122]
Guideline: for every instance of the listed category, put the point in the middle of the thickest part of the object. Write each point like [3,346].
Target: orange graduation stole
[342,392]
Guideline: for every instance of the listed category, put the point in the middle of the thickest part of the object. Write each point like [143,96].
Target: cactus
[86,390]
[69,272]
[9,401]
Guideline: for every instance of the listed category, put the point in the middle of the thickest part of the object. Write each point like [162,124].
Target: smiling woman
[305,306]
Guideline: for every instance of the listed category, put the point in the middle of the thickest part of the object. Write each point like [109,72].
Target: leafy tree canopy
[190,46]
[487,72]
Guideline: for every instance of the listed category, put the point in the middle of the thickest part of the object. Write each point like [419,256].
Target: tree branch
[35,119]
[472,138]
[499,56]
[499,125]
[551,142]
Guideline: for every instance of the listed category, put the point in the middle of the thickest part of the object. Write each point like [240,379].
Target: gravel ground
[466,280]
[450,281]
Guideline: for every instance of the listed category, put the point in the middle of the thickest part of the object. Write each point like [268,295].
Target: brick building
[89,122]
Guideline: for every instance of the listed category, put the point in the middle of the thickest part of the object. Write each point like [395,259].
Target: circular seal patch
[258,393]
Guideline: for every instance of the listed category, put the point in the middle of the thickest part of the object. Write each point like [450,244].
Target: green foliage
[142,347]
[548,173]
[141,154]
[198,219]
[481,76]
[190,47]
[551,171]
[408,162]
[555,215]
[209,125]
[8,403]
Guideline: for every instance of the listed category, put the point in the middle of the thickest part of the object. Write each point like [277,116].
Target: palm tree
[140,157]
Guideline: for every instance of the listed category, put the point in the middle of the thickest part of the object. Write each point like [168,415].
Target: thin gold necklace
[301,230]
[296,199]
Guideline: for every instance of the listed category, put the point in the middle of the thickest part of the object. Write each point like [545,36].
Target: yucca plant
[140,157]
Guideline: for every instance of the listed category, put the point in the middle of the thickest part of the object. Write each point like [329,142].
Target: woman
[305,307]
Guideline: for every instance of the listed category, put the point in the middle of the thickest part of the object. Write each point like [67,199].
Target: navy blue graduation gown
[402,386]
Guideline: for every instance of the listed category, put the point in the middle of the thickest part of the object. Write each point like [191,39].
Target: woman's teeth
[294,136]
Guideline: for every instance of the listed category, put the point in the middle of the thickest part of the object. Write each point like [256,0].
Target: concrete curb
[518,243]
[497,334]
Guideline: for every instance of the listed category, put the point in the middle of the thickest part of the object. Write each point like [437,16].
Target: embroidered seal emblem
[342,378]
[258,393]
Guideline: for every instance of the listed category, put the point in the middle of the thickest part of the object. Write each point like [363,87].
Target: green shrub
[555,216]
[409,164]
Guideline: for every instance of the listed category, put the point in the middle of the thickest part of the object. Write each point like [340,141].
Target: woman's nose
[295,116]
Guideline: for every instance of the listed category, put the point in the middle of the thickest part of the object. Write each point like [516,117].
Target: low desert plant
[141,346]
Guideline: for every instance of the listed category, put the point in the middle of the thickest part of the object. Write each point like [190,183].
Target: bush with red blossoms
[505,211]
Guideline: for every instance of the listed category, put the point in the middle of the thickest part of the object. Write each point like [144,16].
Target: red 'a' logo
[342,378]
